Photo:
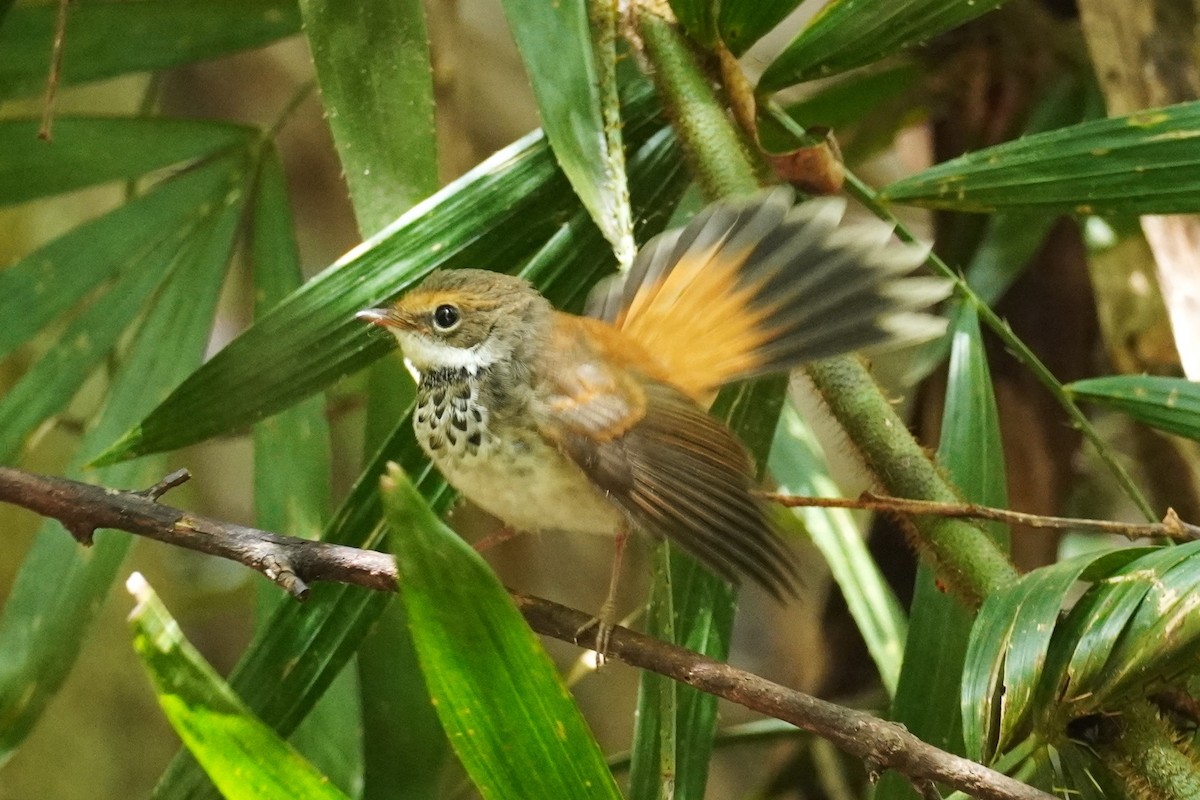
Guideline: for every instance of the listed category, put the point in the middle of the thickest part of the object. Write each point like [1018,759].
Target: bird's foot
[604,623]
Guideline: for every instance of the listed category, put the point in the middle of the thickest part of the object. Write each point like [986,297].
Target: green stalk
[965,559]
[1140,752]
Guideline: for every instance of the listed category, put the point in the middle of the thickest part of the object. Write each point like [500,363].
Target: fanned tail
[760,285]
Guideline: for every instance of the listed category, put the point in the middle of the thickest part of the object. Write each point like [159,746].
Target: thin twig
[54,75]
[292,562]
[1171,527]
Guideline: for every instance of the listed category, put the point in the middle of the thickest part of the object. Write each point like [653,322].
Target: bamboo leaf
[91,150]
[572,68]
[1009,647]
[800,468]
[508,715]
[296,655]
[852,33]
[372,62]
[1143,163]
[120,36]
[379,101]
[53,379]
[1169,404]
[1109,637]
[743,24]
[53,278]
[970,450]
[59,586]
[244,757]
[292,478]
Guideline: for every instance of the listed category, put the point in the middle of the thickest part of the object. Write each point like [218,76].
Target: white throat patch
[422,355]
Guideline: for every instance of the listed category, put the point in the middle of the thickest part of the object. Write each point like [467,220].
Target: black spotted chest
[449,421]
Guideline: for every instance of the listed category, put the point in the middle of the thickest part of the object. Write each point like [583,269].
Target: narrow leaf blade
[244,757]
[1143,163]
[571,62]
[92,150]
[121,36]
[852,33]
[1169,404]
[507,714]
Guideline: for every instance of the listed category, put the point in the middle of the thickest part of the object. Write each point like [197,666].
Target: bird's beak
[375,316]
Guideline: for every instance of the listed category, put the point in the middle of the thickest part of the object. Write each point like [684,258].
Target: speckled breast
[509,470]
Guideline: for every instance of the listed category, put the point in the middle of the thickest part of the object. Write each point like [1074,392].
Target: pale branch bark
[1171,527]
[293,563]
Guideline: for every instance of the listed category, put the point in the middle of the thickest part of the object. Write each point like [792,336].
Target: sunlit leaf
[510,719]
[799,466]
[1144,163]
[571,62]
[244,757]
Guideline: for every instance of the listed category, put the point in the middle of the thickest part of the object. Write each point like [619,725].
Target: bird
[598,423]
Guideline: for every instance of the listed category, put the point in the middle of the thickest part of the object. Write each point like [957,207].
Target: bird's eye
[446,317]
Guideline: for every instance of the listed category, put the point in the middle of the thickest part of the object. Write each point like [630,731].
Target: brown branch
[293,562]
[1172,527]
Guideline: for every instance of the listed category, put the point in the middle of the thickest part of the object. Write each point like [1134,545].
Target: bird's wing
[675,470]
[758,285]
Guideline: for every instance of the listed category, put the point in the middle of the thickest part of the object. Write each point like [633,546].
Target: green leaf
[839,105]
[48,281]
[690,606]
[292,477]
[572,68]
[372,62]
[852,33]
[743,24]
[296,655]
[1144,163]
[1120,628]
[59,586]
[698,19]
[120,36]
[1169,404]
[1011,239]
[507,713]
[799,466]
[379,101]
[58,373]
[495,217]
[1009,647]
[970,451]
[91,150]
[244,757]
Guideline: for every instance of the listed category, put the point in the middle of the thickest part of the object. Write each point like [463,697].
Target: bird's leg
[499,537]
[606,620]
